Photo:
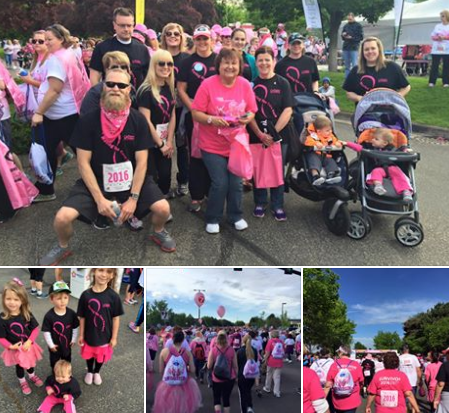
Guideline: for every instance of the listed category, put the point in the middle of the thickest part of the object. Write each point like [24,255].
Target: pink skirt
[25,359]
[102,353]
[177,399]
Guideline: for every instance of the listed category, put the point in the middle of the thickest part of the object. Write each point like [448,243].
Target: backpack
[198,352]
[175,372]
[343,382]
[278,351]
[251,369]
[321,373]
[222,370]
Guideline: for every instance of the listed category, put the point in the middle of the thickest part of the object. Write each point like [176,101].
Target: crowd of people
[218,358]
[391,381]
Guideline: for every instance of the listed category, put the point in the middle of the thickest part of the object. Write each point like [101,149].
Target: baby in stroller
[382,139]
[321,136]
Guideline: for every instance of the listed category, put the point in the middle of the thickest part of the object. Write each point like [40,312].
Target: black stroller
[335,196]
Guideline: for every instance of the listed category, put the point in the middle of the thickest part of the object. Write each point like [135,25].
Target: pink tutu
[177,399]
[102,353]
[25,359]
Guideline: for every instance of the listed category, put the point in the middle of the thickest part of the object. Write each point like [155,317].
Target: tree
[386,340]
[359,346]
[155,310]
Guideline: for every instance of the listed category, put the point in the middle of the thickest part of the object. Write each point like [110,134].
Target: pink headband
[17,281]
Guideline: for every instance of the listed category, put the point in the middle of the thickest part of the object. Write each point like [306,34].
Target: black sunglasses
[123,67]
[40,41]
[170,34]
[112,85]
[163,64]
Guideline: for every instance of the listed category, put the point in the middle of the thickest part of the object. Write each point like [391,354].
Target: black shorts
[81,199]
[36,274]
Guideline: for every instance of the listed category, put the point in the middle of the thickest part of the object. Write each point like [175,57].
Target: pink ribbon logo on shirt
[295,79]
[56,389]
[263,100]
[17,333]
[60,332]
[96,313]
[198,67]
[165,113]
[367,82]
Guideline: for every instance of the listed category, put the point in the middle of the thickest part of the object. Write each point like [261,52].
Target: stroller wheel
[359,227]
[338,221]
[408,232]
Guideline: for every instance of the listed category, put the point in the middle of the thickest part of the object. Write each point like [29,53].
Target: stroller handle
[392,156]
[331,148]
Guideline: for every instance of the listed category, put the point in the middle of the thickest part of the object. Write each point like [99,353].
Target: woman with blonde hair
[373,71]
[247,356]
[440,50]
[156,100]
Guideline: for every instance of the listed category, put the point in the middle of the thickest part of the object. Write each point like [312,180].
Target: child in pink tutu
[99,310]
[18,332]
[61,388]
[177,392]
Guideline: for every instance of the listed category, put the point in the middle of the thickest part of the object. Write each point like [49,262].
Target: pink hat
[151,34]
[216,28]
[141,27]
[201,31]
[140,37]
[226,31]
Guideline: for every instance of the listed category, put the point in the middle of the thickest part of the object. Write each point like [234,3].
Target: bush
[21,136]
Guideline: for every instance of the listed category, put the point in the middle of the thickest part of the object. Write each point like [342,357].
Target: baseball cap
[326,79]
[59,287]
[226,31]
[216,28]
[201,31]
[296,37]
[151,34]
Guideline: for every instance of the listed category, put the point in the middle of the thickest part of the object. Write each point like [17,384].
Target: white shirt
[440,46]
[408,364]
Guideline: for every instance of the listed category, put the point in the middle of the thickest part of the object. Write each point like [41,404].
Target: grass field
[428,106]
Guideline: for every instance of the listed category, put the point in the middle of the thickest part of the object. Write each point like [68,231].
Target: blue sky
[383,298]
[244,294]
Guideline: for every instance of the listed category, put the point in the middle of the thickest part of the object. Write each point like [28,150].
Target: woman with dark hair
[374,71]
[59,98]
[238,41]
[430,375]
[223,106]
[390,388]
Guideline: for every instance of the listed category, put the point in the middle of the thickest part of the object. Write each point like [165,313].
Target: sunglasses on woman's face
[163,64]
[112,85]
[170,34]
[40,41]
[123,67]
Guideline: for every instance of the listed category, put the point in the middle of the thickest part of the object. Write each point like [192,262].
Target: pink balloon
[199,299]
[221,311]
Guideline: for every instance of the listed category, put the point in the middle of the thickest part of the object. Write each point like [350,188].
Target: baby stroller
[335,196]
[387,109]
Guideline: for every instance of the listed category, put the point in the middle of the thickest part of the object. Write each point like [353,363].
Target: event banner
[312,14]
[140,11]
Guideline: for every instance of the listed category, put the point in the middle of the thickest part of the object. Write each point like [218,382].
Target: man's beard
[114,102]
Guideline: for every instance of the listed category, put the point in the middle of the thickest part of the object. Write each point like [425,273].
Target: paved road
[423,404]
[301,241]
[123,377]
[290,400]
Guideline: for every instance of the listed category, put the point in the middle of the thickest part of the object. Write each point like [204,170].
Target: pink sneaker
[25,388]
[37,381]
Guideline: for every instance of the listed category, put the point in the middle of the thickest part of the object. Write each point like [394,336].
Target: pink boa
[17,96]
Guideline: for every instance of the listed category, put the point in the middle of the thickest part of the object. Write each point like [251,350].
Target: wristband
[162,145]
[37,113]
[134,195]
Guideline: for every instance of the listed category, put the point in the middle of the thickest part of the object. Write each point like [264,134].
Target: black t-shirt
[194,69]
[368,365]
[17,329]
[177,60]
[443,375]
[136,51]
[390,77]
[301,73]
[247,72]
[61,328]
[241,360]
[135,137]
[98,310]
[72,387]
[272,97]
[160,112]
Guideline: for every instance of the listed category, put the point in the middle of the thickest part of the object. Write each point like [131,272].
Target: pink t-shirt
[389,387]
[353,401]
[229,353]
[216,99]
[312,389]
[272,362]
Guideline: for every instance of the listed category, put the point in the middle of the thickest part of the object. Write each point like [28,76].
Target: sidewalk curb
[430,131]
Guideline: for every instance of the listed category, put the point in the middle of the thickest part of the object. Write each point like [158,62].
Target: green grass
[428,106]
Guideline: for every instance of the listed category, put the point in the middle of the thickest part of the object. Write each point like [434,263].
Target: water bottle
[23,72]
[117,210]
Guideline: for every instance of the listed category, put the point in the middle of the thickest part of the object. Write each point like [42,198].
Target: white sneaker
[240,225]
[277,395]
[431,85]
[97,379]
[88,378]
[213,228]
[266,390]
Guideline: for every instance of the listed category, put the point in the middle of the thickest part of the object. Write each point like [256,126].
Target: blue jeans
[8,59]
[225,186]
[350,60]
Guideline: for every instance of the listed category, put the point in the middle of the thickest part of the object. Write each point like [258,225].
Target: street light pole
[282,310]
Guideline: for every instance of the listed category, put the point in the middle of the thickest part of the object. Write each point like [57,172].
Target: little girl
[99,309]
[18,332]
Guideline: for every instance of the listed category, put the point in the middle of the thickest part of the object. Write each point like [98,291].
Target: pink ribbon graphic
[295,79]
[165,112]
[23,337]
[60,333]
[195,66]
[56,389]
[96,313]
[264,101]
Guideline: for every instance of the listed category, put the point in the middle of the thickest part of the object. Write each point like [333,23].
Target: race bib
[367,373]
[162,131]
[117,177]
[389,398]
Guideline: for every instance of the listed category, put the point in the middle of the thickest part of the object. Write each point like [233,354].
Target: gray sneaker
[55,256]
[182,189]
[44,198]
[164,240]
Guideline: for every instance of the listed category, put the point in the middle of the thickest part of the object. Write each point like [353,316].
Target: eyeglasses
[201,38]
[112,85]
[123,67]
[163,64]
[125,26]
[40,41]
[175,34]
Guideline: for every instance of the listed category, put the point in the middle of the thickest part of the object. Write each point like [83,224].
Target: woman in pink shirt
[389,388]
[314,400]
[224,104]
[222,387]
[274,356]
[430,377]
